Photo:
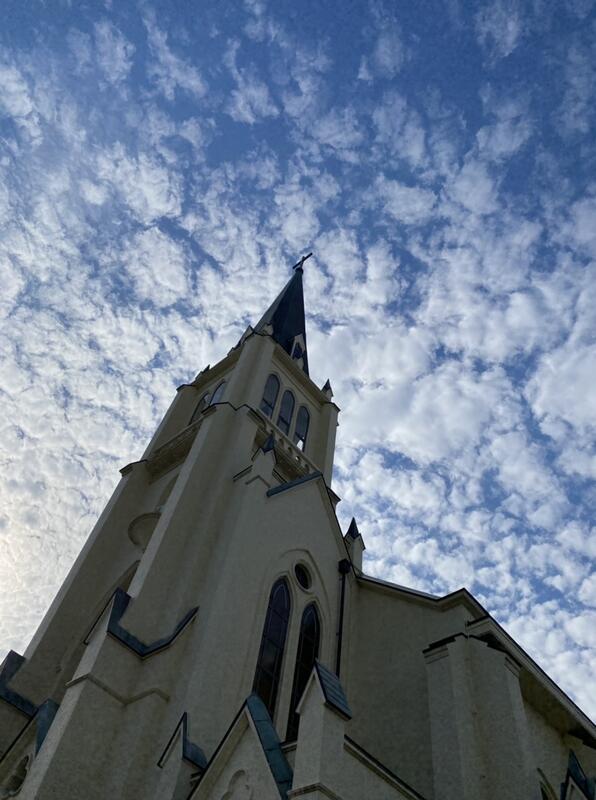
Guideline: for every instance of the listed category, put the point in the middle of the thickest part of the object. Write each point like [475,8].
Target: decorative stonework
[141,529]
[174,451]
[238,787]
[14,783]
[291,461]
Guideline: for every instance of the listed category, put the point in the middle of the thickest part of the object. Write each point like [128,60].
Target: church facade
[217,638]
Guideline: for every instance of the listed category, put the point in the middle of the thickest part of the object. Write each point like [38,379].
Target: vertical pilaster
[457,760]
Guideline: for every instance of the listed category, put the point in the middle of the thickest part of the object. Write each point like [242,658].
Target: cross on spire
[301,262]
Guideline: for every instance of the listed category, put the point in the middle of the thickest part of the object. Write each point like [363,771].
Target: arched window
[200,407]
[286,411]
[218,393]
[302,421]
[308,651]
[270,395]
[268,670]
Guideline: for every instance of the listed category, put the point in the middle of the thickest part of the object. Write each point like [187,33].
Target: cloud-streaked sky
[161,167]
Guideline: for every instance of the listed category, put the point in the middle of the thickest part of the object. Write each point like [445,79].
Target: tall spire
[286,317]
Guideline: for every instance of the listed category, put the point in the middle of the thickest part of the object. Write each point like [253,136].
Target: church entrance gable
[249,763]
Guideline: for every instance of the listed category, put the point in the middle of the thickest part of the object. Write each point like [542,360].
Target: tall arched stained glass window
[308,651]
[301,430]
[286,411]
[268,670]
[270,395]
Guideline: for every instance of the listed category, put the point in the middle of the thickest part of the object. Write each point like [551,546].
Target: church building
[217,638]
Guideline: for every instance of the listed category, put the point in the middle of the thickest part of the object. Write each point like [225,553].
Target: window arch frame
[202,404]
[218,393]
[303,667]
[276,674]
[297,439]
[282,423]
[275,399]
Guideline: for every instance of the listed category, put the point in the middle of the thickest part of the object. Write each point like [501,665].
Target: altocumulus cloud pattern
[162,164]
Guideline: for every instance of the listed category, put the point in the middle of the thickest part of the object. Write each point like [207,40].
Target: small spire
[353,531]
[327,389]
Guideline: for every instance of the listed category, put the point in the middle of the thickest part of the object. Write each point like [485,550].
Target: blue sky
[162,166]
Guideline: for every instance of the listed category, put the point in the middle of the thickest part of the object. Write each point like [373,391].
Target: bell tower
[158,628]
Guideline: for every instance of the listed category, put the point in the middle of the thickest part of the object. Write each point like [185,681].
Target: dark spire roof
[353,530]
[286,316]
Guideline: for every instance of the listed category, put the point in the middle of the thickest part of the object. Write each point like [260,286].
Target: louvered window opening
[270,395]
[286,411]
[301,430]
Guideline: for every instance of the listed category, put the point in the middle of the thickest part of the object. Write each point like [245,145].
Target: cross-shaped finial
[301,262]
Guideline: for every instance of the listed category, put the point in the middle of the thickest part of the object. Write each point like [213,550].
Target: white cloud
[411,205]
[389,53]
[587,591]
[168,71]
[575,114]
[508,131]
[338,129]
[16,100]
[499,28]
[400,130]
[93,193]
[114,51]
[251,100]
[582,629]
[582,224]
[158,267]
[150,189]
[474,188]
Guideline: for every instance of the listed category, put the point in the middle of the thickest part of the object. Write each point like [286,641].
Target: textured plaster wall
[386,679]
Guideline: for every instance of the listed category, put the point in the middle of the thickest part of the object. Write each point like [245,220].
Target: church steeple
[286,318]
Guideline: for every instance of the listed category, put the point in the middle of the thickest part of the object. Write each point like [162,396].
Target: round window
[302,576]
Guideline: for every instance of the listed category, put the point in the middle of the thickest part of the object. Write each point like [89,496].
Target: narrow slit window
[308,651]
[218,393]
[268,672]
[200,407]
[270,395]
[286,411]
[301,430]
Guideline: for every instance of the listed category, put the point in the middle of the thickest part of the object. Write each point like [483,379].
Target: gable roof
[280,769]
[332,690]
[254,709]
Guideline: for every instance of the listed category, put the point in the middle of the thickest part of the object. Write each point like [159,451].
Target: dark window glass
[201,406]
[308,650]
[302,576]
[270,395]
[269,664]
[218,393]
[302,421]
[286,410]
